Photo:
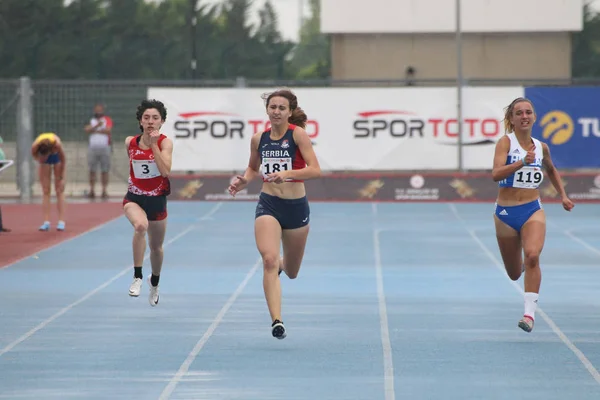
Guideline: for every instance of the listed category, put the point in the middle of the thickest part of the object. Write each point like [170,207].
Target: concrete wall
[433,56]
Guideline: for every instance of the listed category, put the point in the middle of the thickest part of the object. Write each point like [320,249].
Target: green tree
[136,39]
[81,38]
[312,55]
[586,47]
[234,39]
[30,37]
[273,61]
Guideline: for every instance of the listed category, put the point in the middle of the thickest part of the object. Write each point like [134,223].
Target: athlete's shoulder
[55,138]
[538,142]
[503,141]
[128,140]
[544,146]
[298,131]
[57,141]
[165,142]
[260,135]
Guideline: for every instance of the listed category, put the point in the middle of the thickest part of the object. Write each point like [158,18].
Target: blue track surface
[393,301]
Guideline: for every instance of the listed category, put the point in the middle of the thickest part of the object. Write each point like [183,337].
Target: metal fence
[28,107]
[65,107]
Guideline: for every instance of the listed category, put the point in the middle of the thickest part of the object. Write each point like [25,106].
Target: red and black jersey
[144,177]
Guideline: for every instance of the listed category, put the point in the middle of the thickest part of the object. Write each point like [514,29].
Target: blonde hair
[508,126]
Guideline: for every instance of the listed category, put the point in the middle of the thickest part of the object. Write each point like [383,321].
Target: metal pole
[300,18]
[459,86]
[24,139]
[193,23]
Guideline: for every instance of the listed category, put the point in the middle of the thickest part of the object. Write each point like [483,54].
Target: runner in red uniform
[145,204]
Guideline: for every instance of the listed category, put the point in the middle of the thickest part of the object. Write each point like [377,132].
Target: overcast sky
[288,12]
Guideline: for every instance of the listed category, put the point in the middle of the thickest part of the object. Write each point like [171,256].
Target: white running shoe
[153,296]
[526,323]
[136,287]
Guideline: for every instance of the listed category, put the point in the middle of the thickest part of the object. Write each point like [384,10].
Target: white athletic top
[531,175]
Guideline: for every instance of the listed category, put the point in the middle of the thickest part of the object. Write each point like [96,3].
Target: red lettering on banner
[312,128]
[495,127]
[470,122]
[472,127]
[435,123]
[447,128]
[255,124]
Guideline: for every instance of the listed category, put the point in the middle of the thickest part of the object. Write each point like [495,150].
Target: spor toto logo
[406,124]
[557,126]
[223,125]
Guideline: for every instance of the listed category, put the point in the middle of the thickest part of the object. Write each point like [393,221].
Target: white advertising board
[353,129]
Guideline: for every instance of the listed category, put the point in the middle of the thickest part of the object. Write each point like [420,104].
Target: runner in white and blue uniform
[520,221]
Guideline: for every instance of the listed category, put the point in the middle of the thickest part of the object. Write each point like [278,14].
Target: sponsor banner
[568,120]
[352,129]
[417,187]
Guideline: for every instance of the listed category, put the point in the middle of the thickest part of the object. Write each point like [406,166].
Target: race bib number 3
[145,169]
[528,178]
[271,165]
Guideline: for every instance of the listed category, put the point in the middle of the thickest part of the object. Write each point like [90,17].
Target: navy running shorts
[52,159]
[290,213]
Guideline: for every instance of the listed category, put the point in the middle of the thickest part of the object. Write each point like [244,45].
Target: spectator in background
[99,132]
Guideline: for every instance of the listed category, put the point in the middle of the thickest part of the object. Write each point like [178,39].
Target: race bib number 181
[271,165]
[145,169]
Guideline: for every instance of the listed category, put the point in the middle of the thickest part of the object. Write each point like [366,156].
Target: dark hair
[44,148]
[149,104]
[508,126]
[298,116]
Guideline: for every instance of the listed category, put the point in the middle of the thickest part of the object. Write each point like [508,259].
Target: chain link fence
[9,97]
[65,107]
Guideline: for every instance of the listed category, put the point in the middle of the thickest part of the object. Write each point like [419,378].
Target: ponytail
[298,117]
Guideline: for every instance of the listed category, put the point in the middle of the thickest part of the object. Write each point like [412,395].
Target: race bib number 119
[528,178]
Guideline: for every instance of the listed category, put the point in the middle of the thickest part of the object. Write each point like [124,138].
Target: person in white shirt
[99,132]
